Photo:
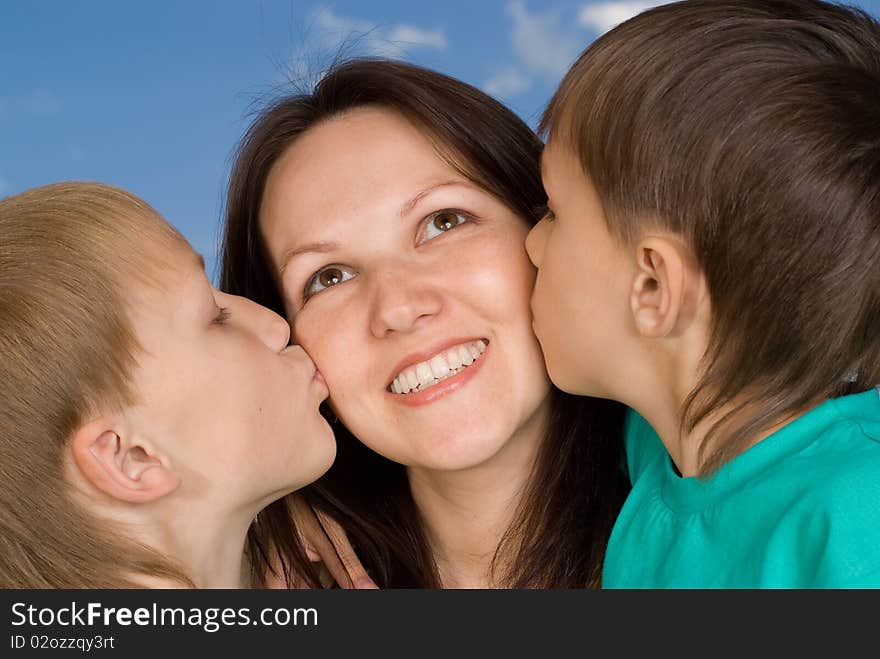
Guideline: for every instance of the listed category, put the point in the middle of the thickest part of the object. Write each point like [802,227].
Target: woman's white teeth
[423,370]
[441,366]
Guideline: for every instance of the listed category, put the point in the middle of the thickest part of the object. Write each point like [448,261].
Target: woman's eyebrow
[415,199]
[329,246]
[308,248]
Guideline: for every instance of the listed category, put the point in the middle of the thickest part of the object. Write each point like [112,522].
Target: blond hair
[67,349]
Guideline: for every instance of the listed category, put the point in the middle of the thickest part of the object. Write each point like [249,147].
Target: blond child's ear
[117,464]
[666,289]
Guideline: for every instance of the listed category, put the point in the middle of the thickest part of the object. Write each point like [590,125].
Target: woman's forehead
[371,143]
[351,175]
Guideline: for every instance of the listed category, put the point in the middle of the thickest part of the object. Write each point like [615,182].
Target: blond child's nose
[268,326]
[276,333]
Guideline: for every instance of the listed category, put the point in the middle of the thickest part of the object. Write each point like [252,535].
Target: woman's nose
[402,301]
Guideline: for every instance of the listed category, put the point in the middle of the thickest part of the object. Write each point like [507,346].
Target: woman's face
[409,286]
[219,389]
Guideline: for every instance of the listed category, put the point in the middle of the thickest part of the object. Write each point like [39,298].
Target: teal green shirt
[800,509]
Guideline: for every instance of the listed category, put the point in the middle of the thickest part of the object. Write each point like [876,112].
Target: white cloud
[375,39]
[509,82]
[329,35]
[541,41]
[603,16]
[417,37]
[543,46]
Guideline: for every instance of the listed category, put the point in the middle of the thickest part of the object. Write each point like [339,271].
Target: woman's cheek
[326,331]
[502,275]
[306,330]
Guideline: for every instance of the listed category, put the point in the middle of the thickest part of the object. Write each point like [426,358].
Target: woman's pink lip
[447,386]
[319,377]
[425,355]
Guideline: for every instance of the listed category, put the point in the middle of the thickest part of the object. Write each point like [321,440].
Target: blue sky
[153,97]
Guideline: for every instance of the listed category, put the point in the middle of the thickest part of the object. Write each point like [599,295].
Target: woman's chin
[456,453]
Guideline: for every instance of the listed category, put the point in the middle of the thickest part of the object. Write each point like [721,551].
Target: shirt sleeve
[848,502]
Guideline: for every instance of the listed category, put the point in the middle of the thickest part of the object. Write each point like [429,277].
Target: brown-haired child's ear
[662,293]
[123,468]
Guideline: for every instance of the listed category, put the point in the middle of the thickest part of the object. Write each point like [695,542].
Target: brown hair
[559,536]
[66,351]
[752,129]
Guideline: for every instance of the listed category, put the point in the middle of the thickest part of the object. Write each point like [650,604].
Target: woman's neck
[467,512]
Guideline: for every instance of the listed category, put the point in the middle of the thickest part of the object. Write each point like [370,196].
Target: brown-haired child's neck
[667,371]
[719,436]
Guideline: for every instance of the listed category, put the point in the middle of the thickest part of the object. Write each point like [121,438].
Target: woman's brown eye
[445,221]
[441,222]
[330,277]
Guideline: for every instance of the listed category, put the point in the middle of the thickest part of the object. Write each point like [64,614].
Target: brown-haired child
[711,257]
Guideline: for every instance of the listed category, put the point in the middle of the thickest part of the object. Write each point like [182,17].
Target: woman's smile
[446,371]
